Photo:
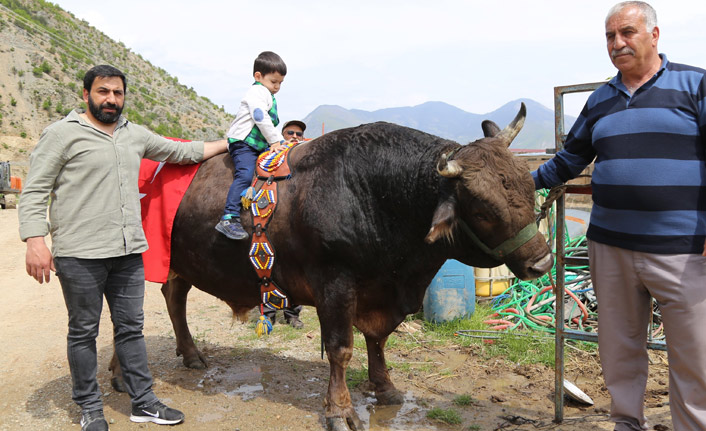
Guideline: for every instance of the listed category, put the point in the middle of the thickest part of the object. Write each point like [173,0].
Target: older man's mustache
[622,51]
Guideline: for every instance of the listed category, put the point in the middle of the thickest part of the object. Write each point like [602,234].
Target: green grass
[464,400]
[356,376]
[520,346]
[449,416]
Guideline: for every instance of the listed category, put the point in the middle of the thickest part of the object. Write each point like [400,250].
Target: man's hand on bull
[277,147]
[39,260]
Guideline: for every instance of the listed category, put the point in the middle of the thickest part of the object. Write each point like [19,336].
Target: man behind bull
[646,128]
[292,131]
[88,164]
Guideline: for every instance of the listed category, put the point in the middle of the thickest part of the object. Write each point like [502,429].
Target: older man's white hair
[648,12]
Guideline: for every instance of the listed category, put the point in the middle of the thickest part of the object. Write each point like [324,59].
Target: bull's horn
[490,129]
[510,132]
[448,168]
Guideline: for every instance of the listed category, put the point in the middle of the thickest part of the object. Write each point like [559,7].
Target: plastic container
[451,295]
[492,281]
[16,183]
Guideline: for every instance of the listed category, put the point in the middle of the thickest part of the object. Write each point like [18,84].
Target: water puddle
[246,383]
[393,418]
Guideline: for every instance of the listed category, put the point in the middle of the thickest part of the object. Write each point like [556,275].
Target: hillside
[446,121]
[44,52]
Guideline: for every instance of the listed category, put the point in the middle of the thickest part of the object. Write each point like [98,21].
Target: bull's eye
[479,217]
[503,180]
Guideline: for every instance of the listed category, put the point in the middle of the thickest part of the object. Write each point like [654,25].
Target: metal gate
[562,260]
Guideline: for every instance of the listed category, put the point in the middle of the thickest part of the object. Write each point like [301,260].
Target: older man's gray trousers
[624,281]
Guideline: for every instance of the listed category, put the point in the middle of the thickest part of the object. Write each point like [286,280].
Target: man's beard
[104,117]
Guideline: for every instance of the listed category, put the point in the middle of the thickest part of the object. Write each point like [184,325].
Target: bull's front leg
[175,292]
[385,391]
[337,333]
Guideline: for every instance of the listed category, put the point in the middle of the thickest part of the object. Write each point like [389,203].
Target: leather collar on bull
[270,168]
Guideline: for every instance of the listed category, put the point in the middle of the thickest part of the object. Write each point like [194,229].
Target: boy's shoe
[93,421]
[157,413]
[231,228]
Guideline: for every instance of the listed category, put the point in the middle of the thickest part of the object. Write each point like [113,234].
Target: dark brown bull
[367,219]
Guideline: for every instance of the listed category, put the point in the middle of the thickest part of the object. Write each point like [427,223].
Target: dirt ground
[275,383]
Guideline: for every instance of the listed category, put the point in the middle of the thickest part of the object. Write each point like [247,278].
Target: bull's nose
[544,265]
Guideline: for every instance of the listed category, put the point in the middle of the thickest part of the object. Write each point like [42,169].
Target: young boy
[251,133]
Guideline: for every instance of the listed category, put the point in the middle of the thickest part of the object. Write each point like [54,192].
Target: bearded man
[88,163]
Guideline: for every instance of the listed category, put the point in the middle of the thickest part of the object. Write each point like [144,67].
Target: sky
[375,54]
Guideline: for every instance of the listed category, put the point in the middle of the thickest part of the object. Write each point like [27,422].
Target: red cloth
[162,186]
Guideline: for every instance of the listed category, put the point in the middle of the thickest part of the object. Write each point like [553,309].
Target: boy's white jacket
[253,111]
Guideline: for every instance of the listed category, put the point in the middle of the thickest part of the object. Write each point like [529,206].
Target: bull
[368,217]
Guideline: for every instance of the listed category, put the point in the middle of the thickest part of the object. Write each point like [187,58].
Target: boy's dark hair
[103,71]
[269,62]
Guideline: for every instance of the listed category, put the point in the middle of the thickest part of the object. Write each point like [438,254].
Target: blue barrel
[452,293]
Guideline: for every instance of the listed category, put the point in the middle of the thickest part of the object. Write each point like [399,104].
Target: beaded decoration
[270,168]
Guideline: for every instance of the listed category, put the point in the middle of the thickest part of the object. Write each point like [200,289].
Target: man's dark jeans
[84,283]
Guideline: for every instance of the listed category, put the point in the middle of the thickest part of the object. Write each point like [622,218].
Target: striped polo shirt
[649,178]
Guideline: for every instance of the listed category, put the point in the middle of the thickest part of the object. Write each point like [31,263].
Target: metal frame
[561,334]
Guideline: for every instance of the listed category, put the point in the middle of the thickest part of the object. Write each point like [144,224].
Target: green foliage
[24,26]
[448,416]
[47,104]
[13,102]
[23,134]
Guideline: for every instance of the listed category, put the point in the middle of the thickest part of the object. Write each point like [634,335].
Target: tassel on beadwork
[263,326]
[246,197]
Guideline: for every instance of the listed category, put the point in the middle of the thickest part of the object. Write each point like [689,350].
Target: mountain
[44,53]
[444,120]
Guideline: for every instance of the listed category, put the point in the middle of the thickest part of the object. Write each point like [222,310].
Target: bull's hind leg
[385,391]
[337,332]
[175,292]
[116,379]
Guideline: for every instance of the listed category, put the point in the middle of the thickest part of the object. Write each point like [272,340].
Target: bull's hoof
[390,398]
[118,384]
[194,360]
[344,424]
[196,363]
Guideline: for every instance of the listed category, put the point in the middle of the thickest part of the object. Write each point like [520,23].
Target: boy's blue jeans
[244,158]
[121,280]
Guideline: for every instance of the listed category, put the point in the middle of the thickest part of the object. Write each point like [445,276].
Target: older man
[292,131]
[646,130]
[88,164]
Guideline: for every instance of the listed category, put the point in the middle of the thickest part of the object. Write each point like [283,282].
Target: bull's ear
[490,129]
[443,222]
